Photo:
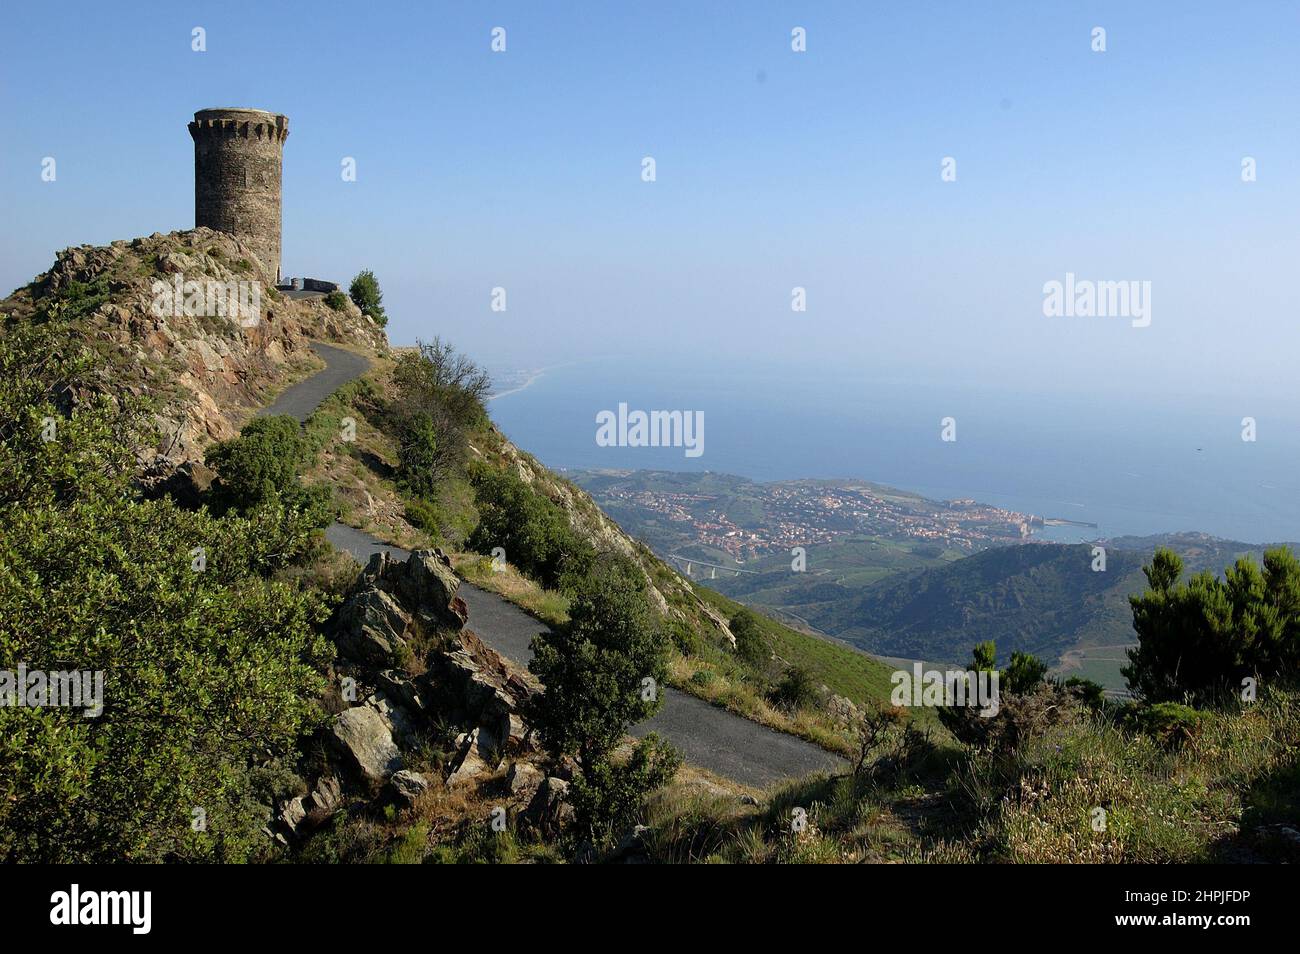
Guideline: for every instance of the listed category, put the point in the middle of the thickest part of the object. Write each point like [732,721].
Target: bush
[796,690]
[1092,694]
[365,294]
[420,454]
[1027,704]
[260,467]
[1022,674]
[75,300]
[1199,639]
[609,796]
[209,678]
[534,532]
[337,300]
[1171,724]
[751,643]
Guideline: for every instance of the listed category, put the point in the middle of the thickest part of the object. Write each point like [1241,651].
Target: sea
[1109,465]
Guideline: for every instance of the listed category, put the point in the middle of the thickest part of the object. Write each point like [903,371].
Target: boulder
[523,779]
[429,582]
[405,787]
[293,813]
[400,723]
[549,811]
[325,798]
[842,710]
[363,738]
[476,757]
[372,628]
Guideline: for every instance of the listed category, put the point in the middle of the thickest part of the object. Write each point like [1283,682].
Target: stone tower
[237,154]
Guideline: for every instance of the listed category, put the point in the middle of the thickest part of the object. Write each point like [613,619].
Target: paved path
[299,400]
[707,736]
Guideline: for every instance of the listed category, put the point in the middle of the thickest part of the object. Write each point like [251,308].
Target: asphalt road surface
[709,737]
[299,400]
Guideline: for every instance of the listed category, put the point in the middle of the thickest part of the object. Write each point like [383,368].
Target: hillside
[205,372]
[205,376]
[318,713]
[363,476]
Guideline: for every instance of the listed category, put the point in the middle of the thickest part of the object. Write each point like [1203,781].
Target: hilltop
[207,373]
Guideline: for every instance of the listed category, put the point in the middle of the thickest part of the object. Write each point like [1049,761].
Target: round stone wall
[237,156]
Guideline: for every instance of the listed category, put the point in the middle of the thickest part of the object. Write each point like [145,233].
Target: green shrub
[261,466]
[1092,694]
[751,643]
[1022,674]
[534,532]
[366,295]
[420,454]
[75,300]
[337,300]
[1171,724]
[796,690]
[608,796]
[210,667]
[1201,638]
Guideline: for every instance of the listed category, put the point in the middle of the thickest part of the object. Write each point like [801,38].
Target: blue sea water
[1129,466]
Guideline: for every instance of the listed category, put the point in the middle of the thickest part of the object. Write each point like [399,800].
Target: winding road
[708,737]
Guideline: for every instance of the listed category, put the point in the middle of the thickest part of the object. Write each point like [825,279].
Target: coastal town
[746,520]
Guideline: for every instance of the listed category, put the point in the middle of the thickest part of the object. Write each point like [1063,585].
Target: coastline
[532,379]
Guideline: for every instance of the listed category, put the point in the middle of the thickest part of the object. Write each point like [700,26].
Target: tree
[366,295]
[439,400]
[1200,638]
[603,672]
[751,643]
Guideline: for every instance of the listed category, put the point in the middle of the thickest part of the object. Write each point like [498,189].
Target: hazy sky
[775,169]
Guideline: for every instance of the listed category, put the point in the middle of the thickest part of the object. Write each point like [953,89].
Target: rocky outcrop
[412,667]
[374,628]
[209,369]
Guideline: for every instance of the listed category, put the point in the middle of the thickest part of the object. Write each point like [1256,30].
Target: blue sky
[775,169]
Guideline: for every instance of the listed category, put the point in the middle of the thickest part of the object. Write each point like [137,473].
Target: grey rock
[400,687]
[523,779]
[363,738]
[430,583]
[476,757]
[407,786]
[549,811]
[400,722]
[372,628]
[293,813]
[326,797]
